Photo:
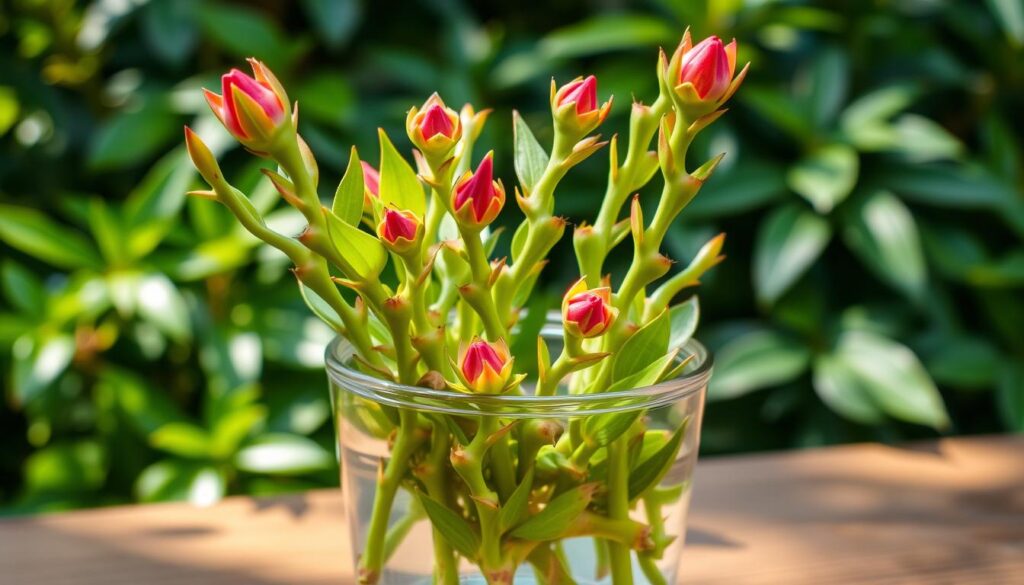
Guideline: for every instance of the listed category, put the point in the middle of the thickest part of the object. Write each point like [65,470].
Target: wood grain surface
[937,513]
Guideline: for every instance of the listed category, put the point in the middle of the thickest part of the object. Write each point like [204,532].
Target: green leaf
[829,82]
[180,481]
[649,343]
[169,29]
[320,308]
[780,110]
[159,302]
[530,158]
[455,530]
[154,207]
[146,408]
[683,320]
[1010,15]
[894,378]
[327,96]
[35,234]
[651,374]
[740,189]
[515,509]
[335,20]
[348,199]
[607,33]
[233,426]
[601,429]
[183,439]
[243,32]
[38,362]
[788,243]
[399,185]
[363,252]
[959,186]
[826,176]
[557,515]
[66,467]
[839,388]
[756,360]
[964,362]
[865,122]
[649,472]
[283,454]
[132,137]
[1010,395]
[22,289]
[882,231]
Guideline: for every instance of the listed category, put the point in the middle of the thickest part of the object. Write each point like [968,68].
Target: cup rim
[340,351]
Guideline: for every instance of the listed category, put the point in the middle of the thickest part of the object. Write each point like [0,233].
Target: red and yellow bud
[587,313]
[575,107]
[203,158]
[252,109]
[703,76]
[485,368]
[401,231]
[435,128]
[478,198]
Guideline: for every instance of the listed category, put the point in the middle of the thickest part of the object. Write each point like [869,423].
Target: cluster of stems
[401,264]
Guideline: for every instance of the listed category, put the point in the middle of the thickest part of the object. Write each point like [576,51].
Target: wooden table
[945,512]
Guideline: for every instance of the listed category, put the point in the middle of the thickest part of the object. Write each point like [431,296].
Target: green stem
[618,509]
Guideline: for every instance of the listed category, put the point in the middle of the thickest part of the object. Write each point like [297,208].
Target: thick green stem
[618,509]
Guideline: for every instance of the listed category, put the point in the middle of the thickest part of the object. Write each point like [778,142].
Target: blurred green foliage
[152,350]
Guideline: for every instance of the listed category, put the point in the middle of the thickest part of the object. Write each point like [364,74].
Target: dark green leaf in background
[788,243]
[883,233]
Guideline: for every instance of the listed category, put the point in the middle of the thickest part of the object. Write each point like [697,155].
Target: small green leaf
[159,302]
[683,320]
[107,231]
[649,343]
[455,530]
[530,158]
[788,243]
[334,20]
[647,376]
[893,376]
[964,362]
[22,289]
[233,426]
[649,472]
[67,467]
[839,388]
[884,235]
[348,199]
[320,308]
[1010,15]
[183,439]
[606,33]
[399,185]
[133,136]
[515,509]
[36,235]
[243,32]
[826,176]
[756,360]
[557,515]
[38,362]
[283,454]
[180,481]
[601,429]
[365,254]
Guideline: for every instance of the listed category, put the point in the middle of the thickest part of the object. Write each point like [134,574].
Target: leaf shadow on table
[295,504]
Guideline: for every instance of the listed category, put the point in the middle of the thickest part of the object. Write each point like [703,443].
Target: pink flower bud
[485,367]
[478,198]
[251,109]
[581,92]
[371,179]
[588,313]
[707,66]
[399,229]
[434,128]
[436,121]
[575,107]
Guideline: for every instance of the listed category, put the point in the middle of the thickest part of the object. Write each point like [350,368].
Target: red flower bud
[581,92]
[399,229]
[708,68]
[478,198]
[434,128]
[575,107]
[485,367]
[251,109]
[587,313]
